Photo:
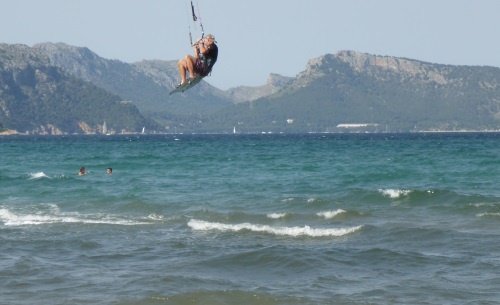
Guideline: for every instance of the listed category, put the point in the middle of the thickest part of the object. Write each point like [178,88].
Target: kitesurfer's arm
[201,46]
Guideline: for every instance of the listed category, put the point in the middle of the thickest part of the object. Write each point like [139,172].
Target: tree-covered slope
[378,93]
[40,98]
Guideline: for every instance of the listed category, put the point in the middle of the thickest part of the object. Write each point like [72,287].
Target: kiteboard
[188,85]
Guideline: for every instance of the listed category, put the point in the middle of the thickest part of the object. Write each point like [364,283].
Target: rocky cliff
[352,91]
[54,88]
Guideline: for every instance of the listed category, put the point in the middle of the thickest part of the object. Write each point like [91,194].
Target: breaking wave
[9,218]
[330,214]
[276,215]
[488,214]
[39,175]
[201,225]
[394,193]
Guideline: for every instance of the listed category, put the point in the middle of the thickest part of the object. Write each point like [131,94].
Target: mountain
[146,84]
[351,91]
[37,97]
[274,83]
[57,88]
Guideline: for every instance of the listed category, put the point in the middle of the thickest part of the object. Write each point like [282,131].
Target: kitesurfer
[199,65]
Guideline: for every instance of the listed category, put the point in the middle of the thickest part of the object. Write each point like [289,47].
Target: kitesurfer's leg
[186,64]
[182,70]
[190,60]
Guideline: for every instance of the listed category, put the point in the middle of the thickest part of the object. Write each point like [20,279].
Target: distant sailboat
[234,129]
[143,130]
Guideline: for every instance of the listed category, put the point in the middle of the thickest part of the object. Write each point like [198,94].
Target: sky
[259,37]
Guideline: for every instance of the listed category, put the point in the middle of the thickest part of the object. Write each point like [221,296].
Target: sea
[265,219]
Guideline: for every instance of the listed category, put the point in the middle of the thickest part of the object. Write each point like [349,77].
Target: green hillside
[378,93]
[62,88]
[36,97]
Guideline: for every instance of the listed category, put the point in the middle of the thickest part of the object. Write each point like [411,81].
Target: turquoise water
[250,219]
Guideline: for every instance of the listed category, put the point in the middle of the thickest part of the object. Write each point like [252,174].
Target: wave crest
[330,214]
[9,218]
[36,176]
[394,193]
[488,214]
[201,225]
[276,215]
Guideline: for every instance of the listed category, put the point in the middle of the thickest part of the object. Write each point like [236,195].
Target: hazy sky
[258,37]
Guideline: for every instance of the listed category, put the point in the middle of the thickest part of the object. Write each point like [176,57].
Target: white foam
[487,214]
[482,204]
[311,200]
[155,216]
[38,175]
[9,218]
[394,193]
[330,214]
[200,225]
[276,215]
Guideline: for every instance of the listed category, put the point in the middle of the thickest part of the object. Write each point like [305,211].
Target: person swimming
[82,171]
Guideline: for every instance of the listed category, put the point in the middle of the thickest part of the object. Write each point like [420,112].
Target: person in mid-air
[199,65]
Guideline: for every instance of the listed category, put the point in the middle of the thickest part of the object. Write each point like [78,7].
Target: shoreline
[11,132]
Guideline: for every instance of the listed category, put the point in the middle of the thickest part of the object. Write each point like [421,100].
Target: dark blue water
[250,219]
